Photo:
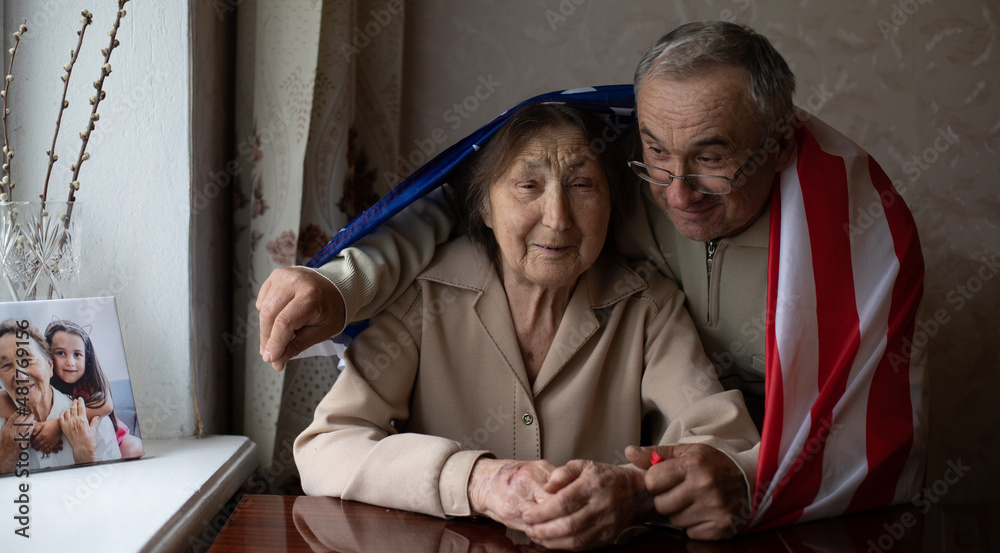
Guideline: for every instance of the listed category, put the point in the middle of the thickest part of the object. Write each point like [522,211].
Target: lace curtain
[317,127]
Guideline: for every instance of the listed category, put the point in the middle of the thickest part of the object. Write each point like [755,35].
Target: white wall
[135,189]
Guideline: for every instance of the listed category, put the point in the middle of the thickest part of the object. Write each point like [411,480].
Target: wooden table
[272,523]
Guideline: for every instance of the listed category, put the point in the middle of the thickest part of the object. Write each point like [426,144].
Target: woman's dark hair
[496,156]
[93,381]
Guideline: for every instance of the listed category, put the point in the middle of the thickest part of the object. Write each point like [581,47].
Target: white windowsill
[161,502]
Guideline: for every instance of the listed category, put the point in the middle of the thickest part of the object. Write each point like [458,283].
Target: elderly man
[25,371]
[750,207]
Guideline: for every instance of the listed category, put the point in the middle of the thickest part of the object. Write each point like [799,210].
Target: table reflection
[326,524]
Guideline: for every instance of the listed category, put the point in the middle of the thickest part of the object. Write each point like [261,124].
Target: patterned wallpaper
[910,80]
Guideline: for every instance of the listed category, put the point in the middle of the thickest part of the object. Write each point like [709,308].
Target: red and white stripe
[845,418]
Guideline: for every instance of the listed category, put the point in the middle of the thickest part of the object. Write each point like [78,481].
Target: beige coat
[729,317]
[436,382]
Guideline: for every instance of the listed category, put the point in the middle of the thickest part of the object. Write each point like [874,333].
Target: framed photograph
[66,397]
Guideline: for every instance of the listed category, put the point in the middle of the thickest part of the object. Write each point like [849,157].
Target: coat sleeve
[353,450]
[378,268]
[683,401]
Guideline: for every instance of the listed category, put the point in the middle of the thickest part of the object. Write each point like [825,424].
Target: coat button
[527,418]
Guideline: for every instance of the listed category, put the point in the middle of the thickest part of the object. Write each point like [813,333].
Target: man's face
[704,125]
[20,362]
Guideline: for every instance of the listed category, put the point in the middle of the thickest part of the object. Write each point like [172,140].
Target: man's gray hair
[695,47]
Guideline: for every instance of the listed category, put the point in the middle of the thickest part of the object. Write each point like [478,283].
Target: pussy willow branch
[86,20]
[8,182]
[95,101]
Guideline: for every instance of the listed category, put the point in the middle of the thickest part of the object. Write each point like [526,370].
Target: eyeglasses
[703,184]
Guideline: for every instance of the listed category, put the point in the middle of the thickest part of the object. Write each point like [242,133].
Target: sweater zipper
[713,245]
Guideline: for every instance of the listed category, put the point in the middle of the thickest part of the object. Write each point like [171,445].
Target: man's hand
[697,486]
[82,437]
[504,490]
[45,437]
[11,436]
[298,308]
[592,504]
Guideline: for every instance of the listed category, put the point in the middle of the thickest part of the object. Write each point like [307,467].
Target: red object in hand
[654,458]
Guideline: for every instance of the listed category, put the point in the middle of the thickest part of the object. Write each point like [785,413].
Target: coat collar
[462,264]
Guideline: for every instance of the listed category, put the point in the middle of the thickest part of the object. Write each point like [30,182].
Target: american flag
[845,419]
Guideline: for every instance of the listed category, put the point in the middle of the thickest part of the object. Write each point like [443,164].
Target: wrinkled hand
[82,437]
[592,504]
[697,486]
[11,436]
[504,490]
[45,437]
[298,308]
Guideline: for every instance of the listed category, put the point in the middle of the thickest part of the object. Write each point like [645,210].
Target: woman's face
[23,368]
[549,211]
[69,356]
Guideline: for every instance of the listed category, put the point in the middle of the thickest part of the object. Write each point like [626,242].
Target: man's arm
[300,307]
[378,268]
[698,487]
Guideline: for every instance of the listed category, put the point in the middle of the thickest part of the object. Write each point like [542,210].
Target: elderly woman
[523,347]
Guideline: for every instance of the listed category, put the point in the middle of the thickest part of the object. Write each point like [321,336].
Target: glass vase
[39,249]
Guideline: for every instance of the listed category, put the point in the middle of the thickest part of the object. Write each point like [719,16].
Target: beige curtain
[317,121]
